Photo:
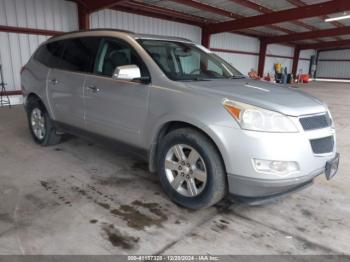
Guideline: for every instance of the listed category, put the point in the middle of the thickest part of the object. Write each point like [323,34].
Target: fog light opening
[276,167]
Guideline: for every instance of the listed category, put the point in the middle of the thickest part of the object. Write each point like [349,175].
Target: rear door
[115,108]
[66,80]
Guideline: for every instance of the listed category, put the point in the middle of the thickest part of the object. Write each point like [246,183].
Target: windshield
[188,62]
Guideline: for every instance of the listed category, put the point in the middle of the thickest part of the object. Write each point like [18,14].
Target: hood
[283,99]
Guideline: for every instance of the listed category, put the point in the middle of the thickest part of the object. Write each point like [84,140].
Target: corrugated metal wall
[278,50]
[143,24]
[238,43]
[15,49]
[334,64]
[304,64]
[242,52]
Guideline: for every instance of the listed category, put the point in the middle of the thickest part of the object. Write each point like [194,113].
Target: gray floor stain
[117,239]
[7,218]
[138,220]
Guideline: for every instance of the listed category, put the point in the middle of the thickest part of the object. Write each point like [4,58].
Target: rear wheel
[40,124]
[191,170]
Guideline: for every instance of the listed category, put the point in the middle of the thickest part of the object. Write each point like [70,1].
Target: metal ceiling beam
[162,13]
[282,16]
[309,35]
[219,11]
[300,3]
[168,14]
[208,8]
[265,10]
[93,5]
[325,45]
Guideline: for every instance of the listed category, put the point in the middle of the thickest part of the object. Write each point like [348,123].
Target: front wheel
[40,124]
[191,169]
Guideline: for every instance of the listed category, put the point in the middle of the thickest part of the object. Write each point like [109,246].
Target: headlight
[331,122]
[254,118]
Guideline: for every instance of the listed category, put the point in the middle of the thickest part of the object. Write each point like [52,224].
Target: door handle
[93,89]
[54,81]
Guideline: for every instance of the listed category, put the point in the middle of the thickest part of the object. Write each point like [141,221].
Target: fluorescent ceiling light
[337,18]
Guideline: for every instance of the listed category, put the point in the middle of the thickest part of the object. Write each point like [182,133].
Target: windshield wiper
[237,77]
[196,79]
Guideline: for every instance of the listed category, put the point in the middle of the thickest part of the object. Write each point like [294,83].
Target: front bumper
[240,147]
[260,188]
[255,191]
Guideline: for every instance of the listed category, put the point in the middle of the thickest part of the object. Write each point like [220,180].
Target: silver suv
[206,128]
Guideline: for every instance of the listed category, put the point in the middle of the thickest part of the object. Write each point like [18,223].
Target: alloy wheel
[38,123]
[185,170]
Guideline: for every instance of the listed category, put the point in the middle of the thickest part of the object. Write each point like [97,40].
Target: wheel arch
[169,126]
[35,97]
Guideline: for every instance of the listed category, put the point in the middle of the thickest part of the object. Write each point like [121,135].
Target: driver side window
[190,64]
[113,53]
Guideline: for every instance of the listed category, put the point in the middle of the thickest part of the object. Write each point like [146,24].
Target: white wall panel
[235,42]
[143,24]
[244,63]
[15,49]
[279,50]
[335,54]
[282,50]
[39,14]
[333,68]
[303,64]
[238,43]
[271,61]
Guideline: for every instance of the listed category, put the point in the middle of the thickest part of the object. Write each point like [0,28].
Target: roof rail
[91,30]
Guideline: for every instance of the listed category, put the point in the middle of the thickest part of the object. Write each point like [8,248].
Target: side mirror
[127,72]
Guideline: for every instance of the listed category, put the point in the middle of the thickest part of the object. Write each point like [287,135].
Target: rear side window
[79,54]
[50,54]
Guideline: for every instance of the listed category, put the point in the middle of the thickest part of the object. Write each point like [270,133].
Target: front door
[115,108]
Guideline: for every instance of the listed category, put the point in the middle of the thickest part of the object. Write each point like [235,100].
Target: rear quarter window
[76,54]
[50,54]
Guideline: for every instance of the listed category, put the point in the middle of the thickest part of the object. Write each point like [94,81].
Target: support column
[262,56]
[83,17]
[205,37]
[295,60]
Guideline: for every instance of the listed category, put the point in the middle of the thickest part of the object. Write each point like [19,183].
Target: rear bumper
[260,188]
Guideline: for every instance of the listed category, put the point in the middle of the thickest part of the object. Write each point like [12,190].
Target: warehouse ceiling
[295,22]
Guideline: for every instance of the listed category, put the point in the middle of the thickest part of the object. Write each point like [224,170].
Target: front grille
[315,122]
[322,145]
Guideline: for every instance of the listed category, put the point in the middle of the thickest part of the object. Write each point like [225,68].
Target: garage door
[334,64]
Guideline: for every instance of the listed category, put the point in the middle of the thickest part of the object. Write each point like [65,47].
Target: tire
[38,115]
[194,190]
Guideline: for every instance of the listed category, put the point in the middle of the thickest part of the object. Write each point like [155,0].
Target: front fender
[214,132]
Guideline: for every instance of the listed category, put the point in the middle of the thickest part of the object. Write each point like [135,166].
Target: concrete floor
[82,198]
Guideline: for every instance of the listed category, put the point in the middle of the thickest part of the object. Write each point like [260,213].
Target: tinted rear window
[50,54]
[79,54]
[73,54]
